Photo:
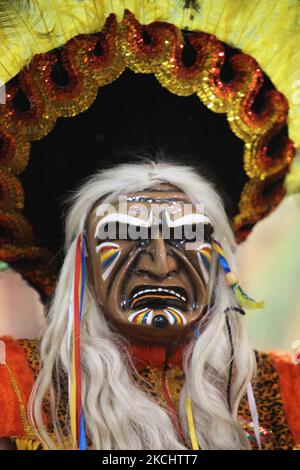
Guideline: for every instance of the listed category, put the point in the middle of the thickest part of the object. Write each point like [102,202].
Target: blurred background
[136,112]
[269,267]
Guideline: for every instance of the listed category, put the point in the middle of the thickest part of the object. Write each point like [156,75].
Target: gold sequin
[94,60]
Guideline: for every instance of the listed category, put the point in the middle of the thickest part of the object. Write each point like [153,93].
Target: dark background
[133,115]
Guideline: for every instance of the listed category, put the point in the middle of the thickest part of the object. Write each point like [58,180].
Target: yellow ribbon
[191,425]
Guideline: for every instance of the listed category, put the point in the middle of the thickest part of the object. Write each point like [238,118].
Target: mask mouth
[158,297]
[159,318]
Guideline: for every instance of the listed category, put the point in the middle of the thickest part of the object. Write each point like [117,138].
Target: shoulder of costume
[19,366]
[288,382]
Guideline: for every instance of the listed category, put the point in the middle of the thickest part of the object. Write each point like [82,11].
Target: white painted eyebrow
[125,219]
[187,219]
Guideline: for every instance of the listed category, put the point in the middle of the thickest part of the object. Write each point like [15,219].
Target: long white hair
[117,414]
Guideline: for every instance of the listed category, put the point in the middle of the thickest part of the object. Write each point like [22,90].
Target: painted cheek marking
[109,253]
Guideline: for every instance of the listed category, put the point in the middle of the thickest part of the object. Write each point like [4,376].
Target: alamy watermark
[144,219]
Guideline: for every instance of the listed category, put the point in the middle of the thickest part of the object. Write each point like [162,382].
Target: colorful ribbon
[242,298]
[75,316]
[191,425]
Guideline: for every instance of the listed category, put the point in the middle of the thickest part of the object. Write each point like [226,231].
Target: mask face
[149,261]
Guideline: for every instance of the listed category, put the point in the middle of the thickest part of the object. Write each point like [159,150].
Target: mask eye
[113,231]
[191,233]
[183,234]
[208,232]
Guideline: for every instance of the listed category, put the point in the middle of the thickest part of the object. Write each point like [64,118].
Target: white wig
[117,414]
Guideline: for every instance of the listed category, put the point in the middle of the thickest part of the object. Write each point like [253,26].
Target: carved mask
[149,261]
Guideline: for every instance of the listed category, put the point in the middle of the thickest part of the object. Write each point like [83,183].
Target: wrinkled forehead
[162,192]
[157,199]
[162,210]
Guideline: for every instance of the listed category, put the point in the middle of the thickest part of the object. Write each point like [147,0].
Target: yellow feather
[267,30]
[18,13]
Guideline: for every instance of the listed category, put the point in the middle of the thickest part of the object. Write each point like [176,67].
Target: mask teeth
[159,290]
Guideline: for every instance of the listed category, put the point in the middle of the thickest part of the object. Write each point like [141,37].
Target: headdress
[93,42]
[90,44]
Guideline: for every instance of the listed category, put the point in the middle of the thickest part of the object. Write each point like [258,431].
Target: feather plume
[16,14]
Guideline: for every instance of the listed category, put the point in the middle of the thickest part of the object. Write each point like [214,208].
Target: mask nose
[157,261]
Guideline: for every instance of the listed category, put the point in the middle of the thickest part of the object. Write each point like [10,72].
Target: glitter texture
[95,60]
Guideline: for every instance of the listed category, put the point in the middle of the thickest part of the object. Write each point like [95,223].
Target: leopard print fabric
[150,379]
[31,349]
[269,403]
[274,430]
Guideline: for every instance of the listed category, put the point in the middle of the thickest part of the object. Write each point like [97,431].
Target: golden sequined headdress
[145,36]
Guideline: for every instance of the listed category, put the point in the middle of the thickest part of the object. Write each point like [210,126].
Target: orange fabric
[289,376]
[154,356]
[10,418]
